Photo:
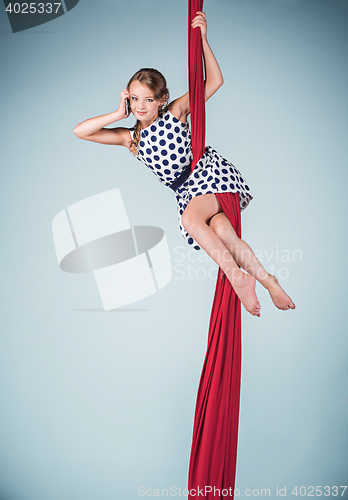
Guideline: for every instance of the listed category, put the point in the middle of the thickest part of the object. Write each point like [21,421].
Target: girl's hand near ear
[122,107]
[200,21]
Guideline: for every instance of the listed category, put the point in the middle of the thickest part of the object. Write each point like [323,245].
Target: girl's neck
[149,125]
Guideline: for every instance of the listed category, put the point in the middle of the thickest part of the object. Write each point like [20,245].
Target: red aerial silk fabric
[215,430]
[196,84]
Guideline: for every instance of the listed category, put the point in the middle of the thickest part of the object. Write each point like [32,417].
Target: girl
[161,139]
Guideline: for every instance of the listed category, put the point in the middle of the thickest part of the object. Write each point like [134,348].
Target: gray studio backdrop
[100,405]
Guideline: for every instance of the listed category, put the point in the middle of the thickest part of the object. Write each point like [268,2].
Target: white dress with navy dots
[165,148]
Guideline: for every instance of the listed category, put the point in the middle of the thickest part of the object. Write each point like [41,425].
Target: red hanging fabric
[215,430]
[196,84]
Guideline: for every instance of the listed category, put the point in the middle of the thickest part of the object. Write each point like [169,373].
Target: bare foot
[244,287]
[279,297]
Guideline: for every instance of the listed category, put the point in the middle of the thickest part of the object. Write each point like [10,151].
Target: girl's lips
[141,112]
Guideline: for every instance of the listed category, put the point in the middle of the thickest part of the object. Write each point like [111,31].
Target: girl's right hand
[200,21]
[122,107]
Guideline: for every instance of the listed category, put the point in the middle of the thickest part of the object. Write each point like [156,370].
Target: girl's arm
[93,129]
[213,75]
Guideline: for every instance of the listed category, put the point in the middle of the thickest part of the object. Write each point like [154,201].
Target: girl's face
[143,104]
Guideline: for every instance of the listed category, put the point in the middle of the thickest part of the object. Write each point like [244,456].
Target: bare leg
[245,257]
[194,219]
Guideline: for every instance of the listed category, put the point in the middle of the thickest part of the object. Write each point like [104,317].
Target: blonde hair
[156,82]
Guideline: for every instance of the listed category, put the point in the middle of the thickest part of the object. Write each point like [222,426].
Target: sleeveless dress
[165,148]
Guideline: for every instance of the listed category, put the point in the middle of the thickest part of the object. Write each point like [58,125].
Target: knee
[218,224]
[189,222]
[222,227]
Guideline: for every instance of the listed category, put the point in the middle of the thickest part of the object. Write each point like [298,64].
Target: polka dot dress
[165,148]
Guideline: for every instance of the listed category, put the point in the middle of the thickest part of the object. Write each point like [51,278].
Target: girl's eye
[135,98]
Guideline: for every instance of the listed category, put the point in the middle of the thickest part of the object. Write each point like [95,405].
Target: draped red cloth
[196,84]
[213,456]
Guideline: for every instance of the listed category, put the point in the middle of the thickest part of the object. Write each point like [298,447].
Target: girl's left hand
[200,21]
